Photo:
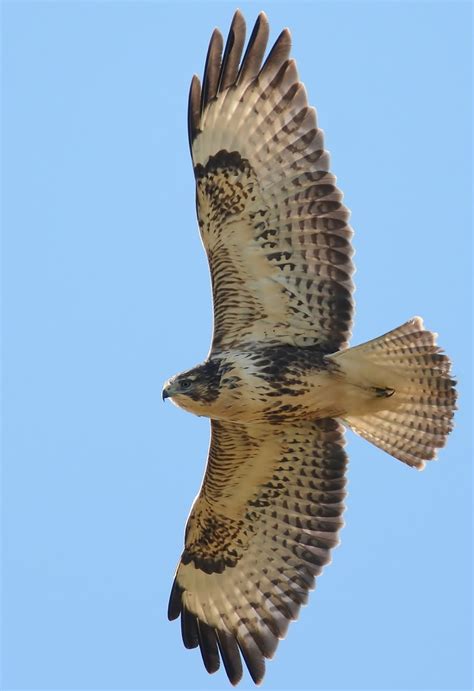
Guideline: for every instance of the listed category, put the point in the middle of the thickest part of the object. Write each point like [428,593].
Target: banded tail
[411,375]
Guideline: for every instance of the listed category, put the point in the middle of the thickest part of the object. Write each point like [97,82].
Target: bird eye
[185,383]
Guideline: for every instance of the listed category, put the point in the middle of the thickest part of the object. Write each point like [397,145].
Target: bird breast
[275,384]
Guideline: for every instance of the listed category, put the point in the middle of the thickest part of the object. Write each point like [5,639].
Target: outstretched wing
[271,217]
[260,530]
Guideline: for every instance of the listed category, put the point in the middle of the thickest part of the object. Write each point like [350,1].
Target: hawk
[280,383]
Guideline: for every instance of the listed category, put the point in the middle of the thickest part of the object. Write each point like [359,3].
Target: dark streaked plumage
[280,380]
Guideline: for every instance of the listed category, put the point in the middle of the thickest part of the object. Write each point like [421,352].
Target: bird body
[280,383]
[273,383]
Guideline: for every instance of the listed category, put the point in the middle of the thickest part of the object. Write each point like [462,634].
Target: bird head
[196,389]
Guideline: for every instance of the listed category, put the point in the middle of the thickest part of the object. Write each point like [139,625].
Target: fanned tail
[407,368]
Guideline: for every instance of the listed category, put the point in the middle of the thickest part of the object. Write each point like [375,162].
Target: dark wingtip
[208,646]
[194,109]
[232,52]
[189,630]
[254,661]
[230,656]
[256,46]
[212,68]
[224,66]
[280,50]
[174,605]
[238,17]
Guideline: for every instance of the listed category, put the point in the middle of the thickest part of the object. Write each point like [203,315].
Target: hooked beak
[165,393]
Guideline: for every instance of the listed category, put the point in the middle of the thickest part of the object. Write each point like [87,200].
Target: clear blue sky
[106,294]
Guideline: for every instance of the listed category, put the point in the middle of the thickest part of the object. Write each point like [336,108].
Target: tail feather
[418,417]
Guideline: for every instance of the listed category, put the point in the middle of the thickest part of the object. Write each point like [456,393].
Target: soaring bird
[280,382]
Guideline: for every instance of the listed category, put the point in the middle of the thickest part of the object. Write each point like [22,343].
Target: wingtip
[175,601]
[230,656]
[238,23]
[218,38]
[262,25]
[236,681]
[238,16]
[285,36]
[262,18]
[217,35]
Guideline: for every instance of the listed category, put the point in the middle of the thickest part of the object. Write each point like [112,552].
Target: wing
[260,530]
[271,217]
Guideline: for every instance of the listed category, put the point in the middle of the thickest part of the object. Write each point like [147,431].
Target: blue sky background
[106,294]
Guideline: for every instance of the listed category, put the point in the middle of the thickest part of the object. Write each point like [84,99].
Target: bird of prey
[280,383]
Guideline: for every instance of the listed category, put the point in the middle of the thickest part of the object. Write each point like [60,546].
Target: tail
[410,375]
